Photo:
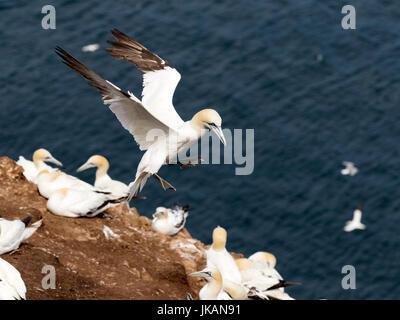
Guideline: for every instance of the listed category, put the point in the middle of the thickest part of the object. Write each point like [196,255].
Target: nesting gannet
[356,222]
[12,287]
[170,221]
[261,286]
[216,288]
[80,203]
[350,168]
[103,181]
[153,122]
[12,233]
[266,262]
[48,182]
[220,258]
[32,168]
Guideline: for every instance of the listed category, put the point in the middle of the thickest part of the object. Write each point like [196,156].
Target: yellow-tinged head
[210,274]
[244,264]
[96,161]
[264,257]
[219,238]
[42,155]
[161,213]
[209,119]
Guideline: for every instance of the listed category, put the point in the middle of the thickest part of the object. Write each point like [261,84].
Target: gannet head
[42,155]
[161,213]
[95,161]
[219,238]
[209,119]
[209,273]
[263,257]
[244,264]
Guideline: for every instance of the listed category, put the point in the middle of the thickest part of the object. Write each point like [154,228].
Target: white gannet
[261,286]
[216,288]
[153,122]
[170,221]
[32,168]
[103,181]
[80,203]
[266,262]
[356,222]
[13,232]
[48,182]
[91,47]
[349,169]
[220,258]
[12,287]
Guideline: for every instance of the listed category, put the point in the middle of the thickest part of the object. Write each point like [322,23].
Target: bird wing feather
[160,78]
[133,116]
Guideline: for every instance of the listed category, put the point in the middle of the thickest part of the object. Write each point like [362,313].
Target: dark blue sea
[314,93]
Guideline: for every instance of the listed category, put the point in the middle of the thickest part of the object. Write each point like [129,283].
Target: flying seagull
[155,125]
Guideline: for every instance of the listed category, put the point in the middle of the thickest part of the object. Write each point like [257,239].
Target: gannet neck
[219,239]
[236,291]
[101,163]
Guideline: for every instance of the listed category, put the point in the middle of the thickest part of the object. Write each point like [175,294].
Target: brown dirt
[139,264]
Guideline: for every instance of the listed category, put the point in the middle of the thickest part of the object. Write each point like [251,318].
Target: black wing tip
[27,220]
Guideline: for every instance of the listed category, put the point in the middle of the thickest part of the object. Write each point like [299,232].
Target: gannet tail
[28,232]
[136,186]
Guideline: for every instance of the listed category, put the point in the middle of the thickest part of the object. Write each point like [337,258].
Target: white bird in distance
[155,125]
[350,169]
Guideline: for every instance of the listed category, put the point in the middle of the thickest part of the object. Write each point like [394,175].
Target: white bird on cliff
[170,221]
[33,168]
[218,289]
[260,285]
[49,182]
[220,258]
[266,263]
[350,168]
[356,222]
[13,232]
[103,181]
[12,287]
[80,203]
[153,121]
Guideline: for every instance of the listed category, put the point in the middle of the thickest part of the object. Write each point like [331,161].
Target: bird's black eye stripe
[212,124]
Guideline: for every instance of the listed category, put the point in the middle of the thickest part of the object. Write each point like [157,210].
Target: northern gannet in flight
[12,287]
[103,181]
[13,232]
[350,168]
[356,222]
[220,258]
[153,121]
[170,221]
[80,203]
[260,285]
[216,288]
[32,168]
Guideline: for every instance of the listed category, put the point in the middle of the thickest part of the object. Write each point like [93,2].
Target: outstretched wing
[159,80]
[127,108]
